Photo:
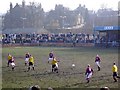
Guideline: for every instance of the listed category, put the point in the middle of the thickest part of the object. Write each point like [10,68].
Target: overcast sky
[47,5]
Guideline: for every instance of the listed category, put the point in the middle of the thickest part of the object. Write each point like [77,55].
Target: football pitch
[68,76]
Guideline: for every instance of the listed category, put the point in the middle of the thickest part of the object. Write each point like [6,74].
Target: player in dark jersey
[97,61]
[51,55]
[27,56]
[13,63]
[88,73]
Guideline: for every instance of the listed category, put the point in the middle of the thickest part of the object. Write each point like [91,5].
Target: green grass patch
[67,77]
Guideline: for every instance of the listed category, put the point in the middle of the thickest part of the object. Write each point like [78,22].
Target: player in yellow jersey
[115,72]
[9,59]
[31,62]
[54,65]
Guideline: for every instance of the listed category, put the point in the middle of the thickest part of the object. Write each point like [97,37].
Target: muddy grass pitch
[68,76]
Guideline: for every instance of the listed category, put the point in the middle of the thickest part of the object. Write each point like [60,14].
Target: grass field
[67,77]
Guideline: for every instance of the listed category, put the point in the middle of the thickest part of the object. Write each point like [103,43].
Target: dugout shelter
[108,36]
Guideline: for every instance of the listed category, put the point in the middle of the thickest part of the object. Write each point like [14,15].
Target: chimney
[23,3]
[11,6]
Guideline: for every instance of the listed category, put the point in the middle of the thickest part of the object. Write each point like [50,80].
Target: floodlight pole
[63,17]
[23,21]
[94,30]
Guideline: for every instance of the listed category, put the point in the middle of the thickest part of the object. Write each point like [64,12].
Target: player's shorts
[53,66]
[98,63]
[88,75]
[50,59]
[12,64]
[26,59]
[31,64]
[114,74]
[10,61]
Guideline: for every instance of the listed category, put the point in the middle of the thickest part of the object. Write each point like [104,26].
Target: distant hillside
[39,31]
[80,30]
[75,29]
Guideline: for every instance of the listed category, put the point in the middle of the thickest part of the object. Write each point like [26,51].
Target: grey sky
[72,4]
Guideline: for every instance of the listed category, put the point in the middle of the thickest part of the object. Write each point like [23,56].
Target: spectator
[36,38]
[104,88]
[35,87]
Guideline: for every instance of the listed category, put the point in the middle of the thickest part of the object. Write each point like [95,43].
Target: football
[73,65]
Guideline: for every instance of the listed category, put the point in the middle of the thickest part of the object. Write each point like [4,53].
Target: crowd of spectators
[104,40]
[41,38]
[57,38]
